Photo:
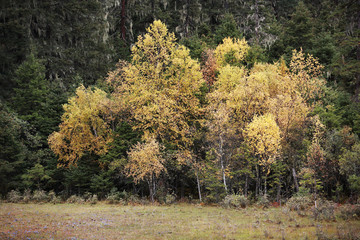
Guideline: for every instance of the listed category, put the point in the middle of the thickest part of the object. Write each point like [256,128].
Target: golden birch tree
[263,137]
[84,127]
[145,164]
[305,74]
[231,51]
[159,86]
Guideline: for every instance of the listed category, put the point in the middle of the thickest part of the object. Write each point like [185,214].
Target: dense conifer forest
[163,99]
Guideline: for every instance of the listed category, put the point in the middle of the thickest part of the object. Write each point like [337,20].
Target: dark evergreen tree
[31,92]
[14,41]
[17,152]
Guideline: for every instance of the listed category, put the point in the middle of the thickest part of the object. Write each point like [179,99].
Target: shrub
[145,201]
[235,201]
[87,196]
[14,196]
[324,210]
[349,211]
[124,195]
[27,197]
[299,203]
[263,201]
[170,198]
[93,199]
[134,199]
[40,196]
[75,199]
[53,198]
[113,198]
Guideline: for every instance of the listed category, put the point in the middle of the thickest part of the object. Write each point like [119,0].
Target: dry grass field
[178,221]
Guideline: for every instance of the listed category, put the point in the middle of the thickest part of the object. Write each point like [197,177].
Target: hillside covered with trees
[189,99]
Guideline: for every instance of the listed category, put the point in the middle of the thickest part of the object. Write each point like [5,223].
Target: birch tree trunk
[295,180]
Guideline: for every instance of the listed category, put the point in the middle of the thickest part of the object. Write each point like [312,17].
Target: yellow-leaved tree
[220,122]
[263,137]
[288,94]
[305,74]
[231,51]
[84,127]
[159,88]
[146,164]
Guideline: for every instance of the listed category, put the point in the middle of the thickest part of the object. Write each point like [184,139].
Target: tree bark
[246,185]
[265,187]
[221,153]
[198,185]
[278,195]
[152,188]
[257,22]
[295,180]
[123,18]
[257,182]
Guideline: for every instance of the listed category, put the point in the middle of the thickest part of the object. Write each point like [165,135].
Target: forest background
[239,112]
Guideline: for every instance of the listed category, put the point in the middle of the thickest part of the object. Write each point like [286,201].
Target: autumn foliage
[247,114]
[84,127]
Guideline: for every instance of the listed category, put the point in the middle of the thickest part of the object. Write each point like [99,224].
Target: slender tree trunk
[123,18]
[315,192]
[198,185]
[224,177]
[295,180]
[187,21]
[257,182]
[257,22]
[246,184]
[154,190]
[278,195]
[95,132]
[150,191]
[221,152]
[265,187]
[151,183]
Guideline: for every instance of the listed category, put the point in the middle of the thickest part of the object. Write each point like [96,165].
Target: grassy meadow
[178,221]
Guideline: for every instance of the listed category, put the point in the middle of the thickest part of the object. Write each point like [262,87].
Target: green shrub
[87,196]
[144,201]
[40,196]
[75,199]
[235,201]
[53,198]
[299,203]
[170,198]
[324,210]
[263,201]
[348,212]
[113,197]
[134,199]
[124,195]
[14,196]
[93,199]
[27,197]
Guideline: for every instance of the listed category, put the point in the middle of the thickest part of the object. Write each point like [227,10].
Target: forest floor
[178,221]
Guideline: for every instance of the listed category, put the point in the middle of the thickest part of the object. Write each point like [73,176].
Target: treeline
[224,115]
